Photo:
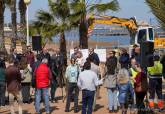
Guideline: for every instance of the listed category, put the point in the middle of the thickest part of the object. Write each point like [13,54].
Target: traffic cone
[160,104]
[151,104]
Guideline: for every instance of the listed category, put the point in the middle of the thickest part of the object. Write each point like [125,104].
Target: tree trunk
[2,8]
[22,10]
[83,31]
[14,23]
[63,47]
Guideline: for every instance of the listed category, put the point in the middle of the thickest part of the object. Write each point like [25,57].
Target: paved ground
[58,108]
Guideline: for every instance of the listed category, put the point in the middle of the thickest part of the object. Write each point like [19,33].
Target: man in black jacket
[45,54]
[94,55]
[124,59]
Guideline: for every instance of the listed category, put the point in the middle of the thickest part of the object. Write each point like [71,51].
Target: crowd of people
[126,81]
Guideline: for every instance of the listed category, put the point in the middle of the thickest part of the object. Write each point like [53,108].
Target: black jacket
[95,57]
[111,65]
[124,60]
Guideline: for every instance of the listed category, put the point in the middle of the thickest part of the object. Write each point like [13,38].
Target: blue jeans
[45,95]
[112,99]
[87,100]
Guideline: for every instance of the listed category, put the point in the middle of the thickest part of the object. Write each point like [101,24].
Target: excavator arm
[130,24]
[138,33]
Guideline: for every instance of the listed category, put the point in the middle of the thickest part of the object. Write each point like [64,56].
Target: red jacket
[43,75]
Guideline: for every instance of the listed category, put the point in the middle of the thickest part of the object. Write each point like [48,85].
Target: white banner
[101,53]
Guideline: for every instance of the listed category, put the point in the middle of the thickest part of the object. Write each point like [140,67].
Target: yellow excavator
[138,33]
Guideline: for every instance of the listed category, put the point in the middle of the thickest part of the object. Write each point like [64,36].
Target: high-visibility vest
[134,73]
[156,69]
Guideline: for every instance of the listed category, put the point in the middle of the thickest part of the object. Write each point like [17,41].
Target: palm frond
[113,5]
[78,7]
[44,17]
[158,9]
[75,17]
[60,8]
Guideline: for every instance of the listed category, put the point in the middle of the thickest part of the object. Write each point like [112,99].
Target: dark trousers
[124,108]
[155,85]
[53,89]
[140,102]
[87,100]
[72,90]
[2,93]
[25,92]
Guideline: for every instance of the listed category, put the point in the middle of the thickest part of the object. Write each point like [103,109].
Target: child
[125,89]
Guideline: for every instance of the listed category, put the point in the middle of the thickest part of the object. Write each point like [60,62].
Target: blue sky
[128,8]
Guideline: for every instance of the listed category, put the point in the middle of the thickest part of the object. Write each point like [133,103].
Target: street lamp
[27,2]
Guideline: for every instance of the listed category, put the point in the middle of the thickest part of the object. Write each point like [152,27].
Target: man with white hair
[43,76]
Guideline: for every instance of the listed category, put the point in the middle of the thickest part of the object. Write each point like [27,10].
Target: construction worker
[155,82]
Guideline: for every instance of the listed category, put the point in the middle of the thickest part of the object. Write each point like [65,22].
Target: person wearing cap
[155,82]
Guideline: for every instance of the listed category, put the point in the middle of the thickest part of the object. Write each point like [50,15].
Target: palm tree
[158,9]
[46,30]
[55,21]
[12,6]
[2,9]
[22,10]
[82,8]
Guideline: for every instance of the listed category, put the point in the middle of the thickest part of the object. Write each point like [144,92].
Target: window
[142,35]
[151,36]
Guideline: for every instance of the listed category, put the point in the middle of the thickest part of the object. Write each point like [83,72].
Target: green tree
[158,9]
[82,8]
[54,22]
[2,9]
